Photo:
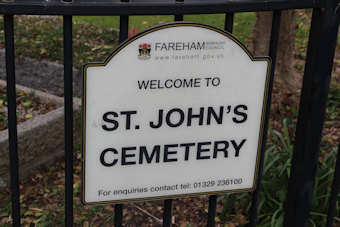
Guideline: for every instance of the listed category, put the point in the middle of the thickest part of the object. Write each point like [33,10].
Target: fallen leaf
[29,212]
[133,31]
[242,219]
[36,209]
[29,116]
[22,93]
[230,224]
[27,103]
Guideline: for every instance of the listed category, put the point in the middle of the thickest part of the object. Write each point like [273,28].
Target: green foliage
[5,208]
[301,33]
[333,106]
[276,172]
[322,189]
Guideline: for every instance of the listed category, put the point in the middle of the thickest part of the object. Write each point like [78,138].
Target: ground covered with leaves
[42,38]
[28,106]
[42,204]
[42,195]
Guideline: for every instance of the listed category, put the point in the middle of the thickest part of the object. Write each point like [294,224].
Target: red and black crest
[144,51]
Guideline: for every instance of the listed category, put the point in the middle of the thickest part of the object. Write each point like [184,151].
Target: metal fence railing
[321,48]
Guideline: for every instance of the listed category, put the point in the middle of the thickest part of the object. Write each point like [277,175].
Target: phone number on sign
[226,182]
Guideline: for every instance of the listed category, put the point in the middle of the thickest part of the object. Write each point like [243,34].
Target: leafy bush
[276,172]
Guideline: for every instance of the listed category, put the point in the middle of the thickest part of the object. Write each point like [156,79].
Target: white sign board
[174,111]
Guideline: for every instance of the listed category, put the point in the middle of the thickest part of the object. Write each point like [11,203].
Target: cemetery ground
[28,106]
[42,195]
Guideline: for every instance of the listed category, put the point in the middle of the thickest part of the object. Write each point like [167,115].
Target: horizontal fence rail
[323,29]
[144,7]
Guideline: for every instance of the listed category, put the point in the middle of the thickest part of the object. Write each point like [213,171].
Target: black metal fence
[316,80]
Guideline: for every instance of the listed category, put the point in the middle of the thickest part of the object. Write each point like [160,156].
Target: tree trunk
[286,78]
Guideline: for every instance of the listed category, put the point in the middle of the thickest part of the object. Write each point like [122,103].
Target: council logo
[144,51]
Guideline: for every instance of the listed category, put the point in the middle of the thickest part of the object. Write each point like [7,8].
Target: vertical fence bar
[229,22]
[124,25]
[274,39]
[118,215]
[123,28]
[123,35]
[68,91]
[316,80]
[167,213]
[334,194]
[179,17]
[212,211]
[12,120]
[168,202]
[228,26]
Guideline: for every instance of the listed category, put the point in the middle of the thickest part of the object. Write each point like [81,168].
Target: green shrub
[276,172]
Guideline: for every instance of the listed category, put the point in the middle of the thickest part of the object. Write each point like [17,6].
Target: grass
[43,39]
[242,23]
